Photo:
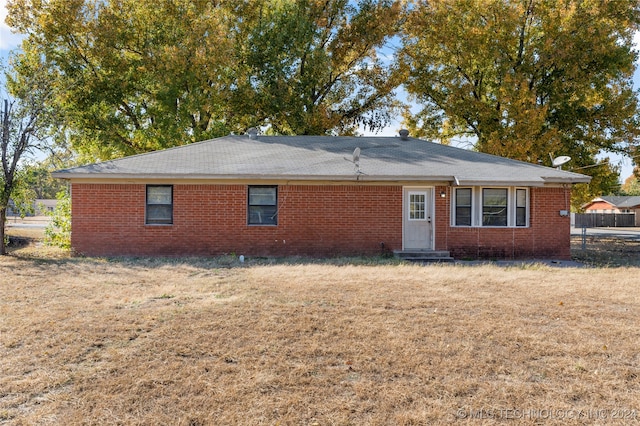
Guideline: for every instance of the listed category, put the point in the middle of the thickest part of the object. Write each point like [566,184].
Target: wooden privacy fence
[598,220]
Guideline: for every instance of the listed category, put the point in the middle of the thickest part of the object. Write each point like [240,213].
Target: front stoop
[424,256]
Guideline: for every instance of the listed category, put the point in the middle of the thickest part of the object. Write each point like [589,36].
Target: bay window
[490,207]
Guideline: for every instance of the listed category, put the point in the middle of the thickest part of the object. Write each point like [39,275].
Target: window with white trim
[159,205]
[521,207]
[494,206]
[490,207]
[417,206]
[262,205]
[463,207]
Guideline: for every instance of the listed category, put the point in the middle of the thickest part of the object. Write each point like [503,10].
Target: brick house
[320,196]
[615,205]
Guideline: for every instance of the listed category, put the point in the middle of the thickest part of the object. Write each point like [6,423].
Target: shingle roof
[621,201]
[323,158]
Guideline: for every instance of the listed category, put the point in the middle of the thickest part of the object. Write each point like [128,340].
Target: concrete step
[424,256]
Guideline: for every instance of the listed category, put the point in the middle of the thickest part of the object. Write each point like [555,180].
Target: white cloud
[8,39]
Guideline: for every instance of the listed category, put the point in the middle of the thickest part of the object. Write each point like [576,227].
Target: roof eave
[177,177]
[350,177]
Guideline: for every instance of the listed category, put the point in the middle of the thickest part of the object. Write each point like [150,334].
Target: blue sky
[9,41]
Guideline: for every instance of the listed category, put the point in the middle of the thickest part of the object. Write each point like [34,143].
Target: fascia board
[569,179]
[178,177]
[474,182]
[350,177]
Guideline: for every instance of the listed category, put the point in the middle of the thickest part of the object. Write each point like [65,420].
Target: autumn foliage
[522,79]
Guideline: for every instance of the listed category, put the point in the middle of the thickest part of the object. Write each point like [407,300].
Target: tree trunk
[3,220]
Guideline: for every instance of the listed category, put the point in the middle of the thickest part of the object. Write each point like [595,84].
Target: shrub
[58,231]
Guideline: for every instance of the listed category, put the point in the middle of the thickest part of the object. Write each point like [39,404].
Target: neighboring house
[41,207]
[305,195]
[615,204]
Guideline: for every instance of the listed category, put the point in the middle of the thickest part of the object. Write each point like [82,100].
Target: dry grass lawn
[606,251]
[210,342]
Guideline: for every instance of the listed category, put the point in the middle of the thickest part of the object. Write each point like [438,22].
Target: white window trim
[476,207]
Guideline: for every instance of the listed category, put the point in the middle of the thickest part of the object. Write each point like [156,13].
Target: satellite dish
[356,162]
[356,155]
[559,161]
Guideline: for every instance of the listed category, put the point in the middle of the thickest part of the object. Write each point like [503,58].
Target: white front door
[418,218]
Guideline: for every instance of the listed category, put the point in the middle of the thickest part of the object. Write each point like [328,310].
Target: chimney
[252,132]
[404,134]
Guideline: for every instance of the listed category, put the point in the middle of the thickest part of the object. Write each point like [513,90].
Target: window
[417,206]
[521,207]
[463,207]
[159,205]
[494,207]
[263,205]
[499,207]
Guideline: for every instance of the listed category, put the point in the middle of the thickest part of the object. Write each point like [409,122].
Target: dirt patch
[16,242]
[23,238]
[29,243]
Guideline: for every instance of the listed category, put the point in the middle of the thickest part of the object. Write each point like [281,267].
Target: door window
[417,206]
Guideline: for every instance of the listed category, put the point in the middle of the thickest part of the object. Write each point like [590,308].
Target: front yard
[211,341]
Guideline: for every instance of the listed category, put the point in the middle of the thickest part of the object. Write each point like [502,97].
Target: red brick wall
[212,219]
[108,219]
[547,237]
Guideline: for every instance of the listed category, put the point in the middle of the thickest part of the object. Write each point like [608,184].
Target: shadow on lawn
[35,251]
[597,252]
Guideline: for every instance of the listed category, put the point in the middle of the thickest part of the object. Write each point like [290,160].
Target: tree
[313,66]
[132,75]
[37,177]
[58,232]
[526,78]
[24,121]
[604,181]
[138,75]
[631,185]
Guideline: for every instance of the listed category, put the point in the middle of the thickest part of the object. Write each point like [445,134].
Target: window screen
[159,205]
[263,205]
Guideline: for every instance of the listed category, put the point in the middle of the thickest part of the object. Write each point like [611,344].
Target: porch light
[443,194]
